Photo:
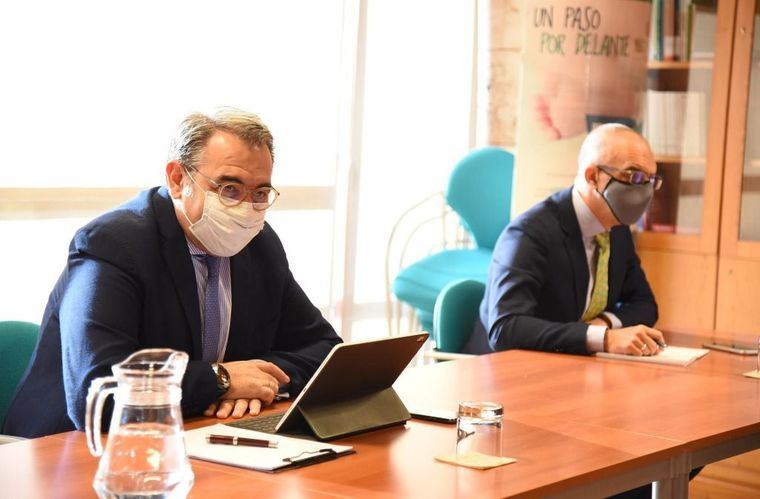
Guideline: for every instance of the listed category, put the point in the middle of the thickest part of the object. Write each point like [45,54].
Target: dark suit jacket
[538,279]
[129,284]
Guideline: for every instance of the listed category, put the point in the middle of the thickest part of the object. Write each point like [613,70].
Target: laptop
[351,392]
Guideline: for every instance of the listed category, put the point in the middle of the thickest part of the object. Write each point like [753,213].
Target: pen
[233,440]
[661,343]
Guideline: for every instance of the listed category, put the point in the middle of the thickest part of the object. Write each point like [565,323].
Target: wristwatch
[606,319]
[222,379]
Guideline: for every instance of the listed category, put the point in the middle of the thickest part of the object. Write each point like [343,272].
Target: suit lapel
[574,248]
[176,255]
[617,265]
[241,320]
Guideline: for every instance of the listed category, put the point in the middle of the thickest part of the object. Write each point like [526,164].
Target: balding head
[615,146]
[612,144]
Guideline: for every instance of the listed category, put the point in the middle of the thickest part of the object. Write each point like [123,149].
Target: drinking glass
[479,428]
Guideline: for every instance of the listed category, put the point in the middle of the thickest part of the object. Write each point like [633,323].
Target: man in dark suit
[191,266]
[565,276]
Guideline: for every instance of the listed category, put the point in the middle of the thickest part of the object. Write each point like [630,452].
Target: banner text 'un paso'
[577,30]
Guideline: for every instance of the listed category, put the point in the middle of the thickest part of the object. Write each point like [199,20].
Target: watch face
[222,377]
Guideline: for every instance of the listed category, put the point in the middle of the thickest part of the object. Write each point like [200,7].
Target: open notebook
[290,452]
[672,356]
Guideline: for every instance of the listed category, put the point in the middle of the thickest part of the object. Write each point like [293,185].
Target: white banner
[584,64]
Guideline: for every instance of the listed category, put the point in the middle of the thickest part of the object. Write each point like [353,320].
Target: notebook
[672,356]
[290,452]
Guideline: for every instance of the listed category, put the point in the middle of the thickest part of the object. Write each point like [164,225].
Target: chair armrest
[456,309]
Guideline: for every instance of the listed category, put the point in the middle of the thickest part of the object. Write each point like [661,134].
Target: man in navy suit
[191,266]
[544,290]
[565,276]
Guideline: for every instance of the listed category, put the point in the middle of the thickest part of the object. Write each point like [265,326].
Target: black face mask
[628,202]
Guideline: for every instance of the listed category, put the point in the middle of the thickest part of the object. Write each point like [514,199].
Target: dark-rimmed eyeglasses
[633,177]
[234,193]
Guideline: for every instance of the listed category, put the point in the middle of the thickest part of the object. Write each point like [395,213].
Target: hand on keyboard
[253,384]
[236,408]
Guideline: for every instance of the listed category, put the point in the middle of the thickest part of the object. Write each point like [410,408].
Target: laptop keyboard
[265,424]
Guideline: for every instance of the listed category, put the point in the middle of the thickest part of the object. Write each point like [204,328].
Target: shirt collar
[589,224]
[194,250]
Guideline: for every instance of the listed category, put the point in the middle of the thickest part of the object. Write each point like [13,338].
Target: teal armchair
[454,315]
[17,342]
[480,192]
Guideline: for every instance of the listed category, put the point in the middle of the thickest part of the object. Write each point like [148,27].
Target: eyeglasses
[633,177]
[234,193]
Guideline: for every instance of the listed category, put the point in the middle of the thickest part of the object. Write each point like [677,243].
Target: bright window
[92,91]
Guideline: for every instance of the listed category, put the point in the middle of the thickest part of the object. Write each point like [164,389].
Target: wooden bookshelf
[692,160]
[682,227]
[680,65]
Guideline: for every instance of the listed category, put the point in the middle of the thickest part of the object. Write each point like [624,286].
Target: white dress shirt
[590,227]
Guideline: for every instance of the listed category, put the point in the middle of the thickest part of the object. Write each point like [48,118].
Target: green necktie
[601,281]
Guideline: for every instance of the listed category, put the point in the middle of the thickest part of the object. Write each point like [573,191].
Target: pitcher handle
[100,389]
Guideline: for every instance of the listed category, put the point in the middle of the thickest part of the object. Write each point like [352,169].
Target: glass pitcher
[145,452]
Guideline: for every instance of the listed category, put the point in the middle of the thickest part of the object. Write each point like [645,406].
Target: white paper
[256,458]
[672,356]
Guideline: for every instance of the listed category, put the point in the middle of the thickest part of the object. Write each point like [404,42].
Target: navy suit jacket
[538,280]
[129,284]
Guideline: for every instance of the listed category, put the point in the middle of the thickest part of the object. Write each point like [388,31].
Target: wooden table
[578,427]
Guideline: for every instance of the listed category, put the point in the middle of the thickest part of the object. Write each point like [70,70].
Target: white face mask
[225,230]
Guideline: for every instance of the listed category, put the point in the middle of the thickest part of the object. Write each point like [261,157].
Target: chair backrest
[454,315]
[17,342]
[480,191]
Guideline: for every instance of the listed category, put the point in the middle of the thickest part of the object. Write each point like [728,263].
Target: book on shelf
[702,37]
[662,214]
[675,123]
[682,30]
[669,32]
[655,48]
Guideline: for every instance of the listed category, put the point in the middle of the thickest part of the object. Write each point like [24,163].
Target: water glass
[479,428]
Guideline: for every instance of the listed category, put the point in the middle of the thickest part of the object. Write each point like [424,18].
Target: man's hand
[254,379]
[253,384]
[225,408]
[635,340]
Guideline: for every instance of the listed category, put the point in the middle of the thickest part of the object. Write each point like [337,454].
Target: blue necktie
[211,315]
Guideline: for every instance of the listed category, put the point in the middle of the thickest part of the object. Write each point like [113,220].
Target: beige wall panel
[684,286]
[506,23]
[503,101]
[738,310]
[505,44]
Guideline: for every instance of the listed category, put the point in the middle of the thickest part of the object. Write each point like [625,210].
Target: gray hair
[195,130]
